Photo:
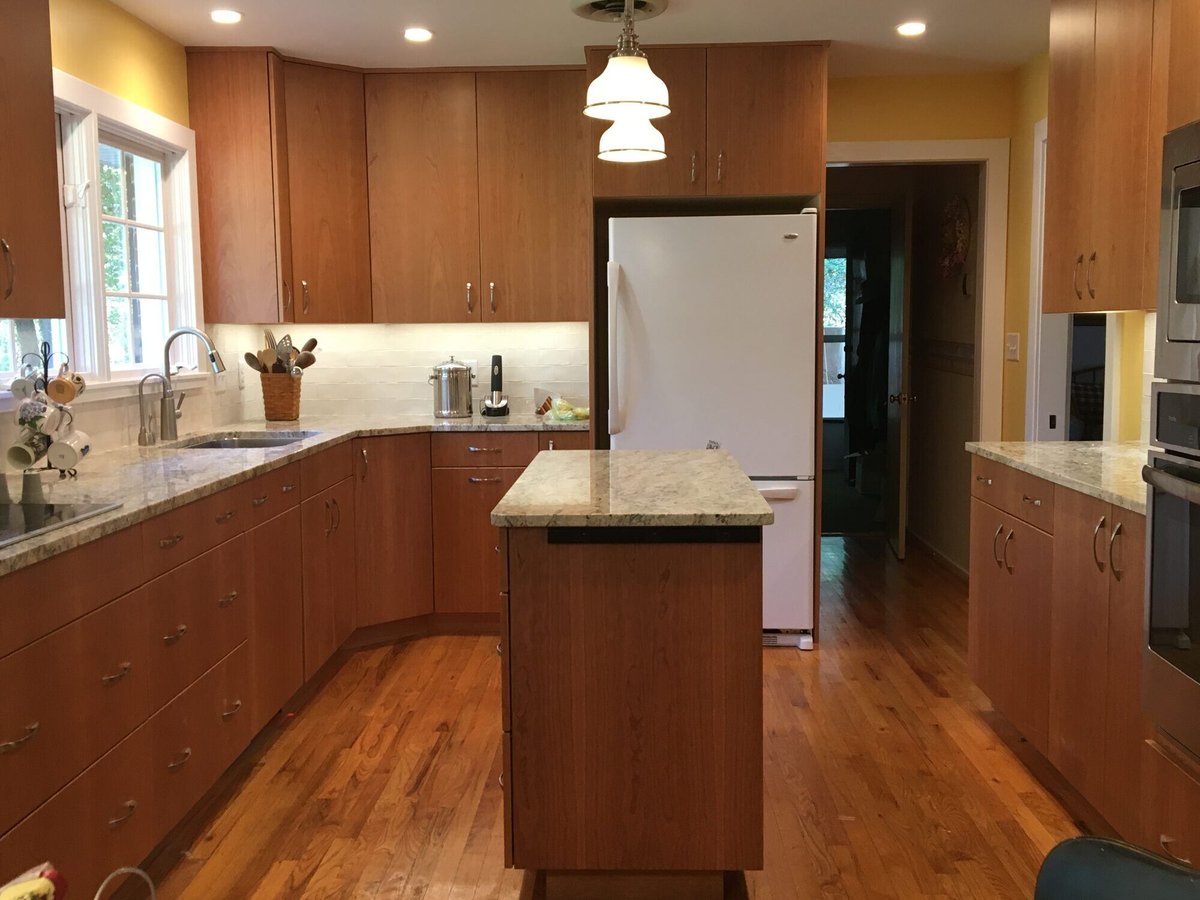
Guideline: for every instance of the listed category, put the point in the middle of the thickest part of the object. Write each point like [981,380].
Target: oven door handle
[1172,484]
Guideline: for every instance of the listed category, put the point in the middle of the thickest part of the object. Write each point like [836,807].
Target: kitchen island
[631,639]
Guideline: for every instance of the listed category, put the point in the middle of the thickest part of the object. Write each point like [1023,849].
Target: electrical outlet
[1012,346]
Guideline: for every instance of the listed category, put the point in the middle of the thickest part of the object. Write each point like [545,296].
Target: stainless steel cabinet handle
[484,449]
[233,710]
[287,295]
[986,482]
[1112,563]
[225,517]
[304,288]
[550,445]
[180,759]
[366,463]
[259,501]
[693,167]
[1091,267]
[720,165]
[500,779]
[476,480]
[121,672]
[10,266]
[1032,501]
[1163,841]
[492,295]
[169,542]
[1075,277]
[1008,540]
[228,600]
[13,746]
[499,652]
[287,488]
[469,304]
[175,635]
[130,807]
[995,538]
[1095,534]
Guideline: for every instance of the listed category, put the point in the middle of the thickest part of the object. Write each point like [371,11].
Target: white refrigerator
[712,340]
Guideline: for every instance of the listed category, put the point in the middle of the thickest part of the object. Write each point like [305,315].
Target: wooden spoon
[305,359]
[252,362]
[309,346]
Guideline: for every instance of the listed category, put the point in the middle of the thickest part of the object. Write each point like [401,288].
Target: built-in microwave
[1178,355]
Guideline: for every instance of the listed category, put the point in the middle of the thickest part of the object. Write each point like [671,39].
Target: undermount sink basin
[248,441]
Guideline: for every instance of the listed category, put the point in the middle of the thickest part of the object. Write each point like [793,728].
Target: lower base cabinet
[330,586]
[276,642]
[466,561]
[1170,804]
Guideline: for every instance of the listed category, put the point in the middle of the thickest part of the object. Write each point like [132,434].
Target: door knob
[902,398]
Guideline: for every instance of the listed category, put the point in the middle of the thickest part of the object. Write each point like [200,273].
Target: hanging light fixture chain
[627,43]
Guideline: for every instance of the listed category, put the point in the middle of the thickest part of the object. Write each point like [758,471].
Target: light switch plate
[1012,346]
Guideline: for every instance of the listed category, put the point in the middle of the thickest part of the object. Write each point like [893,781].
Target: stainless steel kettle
[451,382]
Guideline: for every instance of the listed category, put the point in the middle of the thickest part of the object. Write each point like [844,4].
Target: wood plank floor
[887,775]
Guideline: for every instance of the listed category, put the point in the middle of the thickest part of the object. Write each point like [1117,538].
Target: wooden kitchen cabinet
[394,533]
[466,559]
[1183,93]
[276,641]
[31,261]
[328,571]
[423,162]
[565,440]
[682,173]
[534,196]
[766,119]
[1170,802]
[327,178]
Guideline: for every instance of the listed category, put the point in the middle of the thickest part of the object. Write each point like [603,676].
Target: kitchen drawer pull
[492,295]
[10,266]
[366,463]
[499,652]
[1163,840]
[287,489]
[1095,534]
[986,482]
[474,479]
[13,746]
[1007,541]
[720,165]
[996,537]
[328,518]
[287,295]
[118,675]
[180,759]
[693,178]
[227,600]
[233,710]
[550,444]
[1090,269]
[337,514]
[1075,277]
[469,305]
[485,449]
[130,807]
[500,779]
[304,288]
[225,517]
[168,542]
[1032,501]
[175,635]
[1112,563]
[259,501]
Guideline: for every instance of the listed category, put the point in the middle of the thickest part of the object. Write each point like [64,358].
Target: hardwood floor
[886,773]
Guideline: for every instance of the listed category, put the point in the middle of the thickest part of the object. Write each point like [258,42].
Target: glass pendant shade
[627,87]
[631,141]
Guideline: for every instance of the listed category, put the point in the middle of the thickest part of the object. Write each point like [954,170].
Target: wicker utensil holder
[281,397]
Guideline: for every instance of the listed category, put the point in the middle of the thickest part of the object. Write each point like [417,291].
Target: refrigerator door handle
[615,425]
[779,491]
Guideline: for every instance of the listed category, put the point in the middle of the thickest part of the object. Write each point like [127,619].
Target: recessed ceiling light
[911,29]
[226,16]
[417,34]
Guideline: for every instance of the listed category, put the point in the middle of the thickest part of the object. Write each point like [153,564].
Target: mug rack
[40,361]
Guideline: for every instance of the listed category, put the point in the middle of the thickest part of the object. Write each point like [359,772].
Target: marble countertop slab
[609,488]
[148,481]
[1107,470]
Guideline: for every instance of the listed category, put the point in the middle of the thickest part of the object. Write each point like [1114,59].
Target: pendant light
[627,87]
[632,140]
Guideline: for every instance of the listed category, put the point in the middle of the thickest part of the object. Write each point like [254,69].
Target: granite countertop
[608,488]
[148,481]
[1107,470]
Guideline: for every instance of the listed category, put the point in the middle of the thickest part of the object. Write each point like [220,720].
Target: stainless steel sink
[248,440]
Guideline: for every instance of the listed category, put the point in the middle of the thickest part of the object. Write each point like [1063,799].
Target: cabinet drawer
[198,613]
[183,534]
[1017,493]
[198,735]
[273,493]
[1170,805]
[101,820]
[69,698]
[83,579]
[565,440]
[484,448]
[325,469]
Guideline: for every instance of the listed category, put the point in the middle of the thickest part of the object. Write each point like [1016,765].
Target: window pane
[143,189]
[21,336]
[120,332]
[147,264]
[116,259]
[112,200]
[835,293]
[137,330]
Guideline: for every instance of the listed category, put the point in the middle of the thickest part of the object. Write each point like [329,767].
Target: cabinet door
[1124,724]
[343,578]
[422,162]
[393,507]
[681,174]
[766,119]
[1079,631]
[1183,95]
[1028,556]
[466,567]
[535,193]
[31,264]
[327,177]
[276,646]
[320,630]
[1070,155]
[989,629]
[1124,54]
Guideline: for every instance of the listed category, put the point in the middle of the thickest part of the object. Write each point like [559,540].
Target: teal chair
[1090,868]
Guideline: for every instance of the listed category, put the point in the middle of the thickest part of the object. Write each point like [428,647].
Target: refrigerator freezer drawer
[788,555]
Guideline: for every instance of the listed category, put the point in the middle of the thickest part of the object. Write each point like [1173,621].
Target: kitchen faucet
[170,411]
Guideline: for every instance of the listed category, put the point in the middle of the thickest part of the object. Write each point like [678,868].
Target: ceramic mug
[29,449]
[24,386]
[69,450]
[38,413]
[63,387]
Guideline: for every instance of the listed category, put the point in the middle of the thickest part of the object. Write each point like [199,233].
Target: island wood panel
[1183,100]
[393,507]
[276,640]
[535,196]
[466,558]
[230,109]
[327,181]
[30,199]
[422,163]
[766,119]
[636,703]
[682,173]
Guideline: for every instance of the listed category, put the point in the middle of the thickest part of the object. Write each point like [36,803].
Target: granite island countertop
[1107,470]
[611,488]
[148,481]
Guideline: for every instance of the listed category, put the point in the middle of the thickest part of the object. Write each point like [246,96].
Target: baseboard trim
[424,626]
[939,557]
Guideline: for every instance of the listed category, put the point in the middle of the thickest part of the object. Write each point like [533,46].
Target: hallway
[884,777]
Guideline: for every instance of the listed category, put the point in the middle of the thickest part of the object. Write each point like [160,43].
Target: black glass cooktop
[19,521]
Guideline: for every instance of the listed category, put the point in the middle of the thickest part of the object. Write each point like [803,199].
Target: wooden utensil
[268,358]
[269,336]
[305,359]
[309,346]
[252,362]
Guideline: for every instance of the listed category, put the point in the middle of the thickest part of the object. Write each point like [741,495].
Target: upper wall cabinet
[1097,171]
[31,264]
[1183,104]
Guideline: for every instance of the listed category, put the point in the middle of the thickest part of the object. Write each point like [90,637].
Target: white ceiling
[963,34]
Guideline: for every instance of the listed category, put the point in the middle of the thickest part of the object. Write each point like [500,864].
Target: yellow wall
[1133,357]
[106,46]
